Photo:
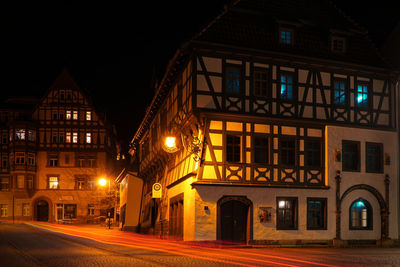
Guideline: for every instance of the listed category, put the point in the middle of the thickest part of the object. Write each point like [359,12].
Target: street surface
[45,244]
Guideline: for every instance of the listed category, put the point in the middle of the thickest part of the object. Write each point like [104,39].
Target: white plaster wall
[335,135]
[206,223]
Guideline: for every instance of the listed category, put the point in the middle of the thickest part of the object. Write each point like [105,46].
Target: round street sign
[156,192]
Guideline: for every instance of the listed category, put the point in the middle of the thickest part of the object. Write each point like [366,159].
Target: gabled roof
[254,24]
[64,81]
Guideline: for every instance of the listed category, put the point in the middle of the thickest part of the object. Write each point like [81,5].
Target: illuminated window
[285,36]
[80,183]
[75,115]
[286,86]
[31,135]
[362,95]
[261,149]
[88,115]
[360,215]
[90,209]
[316,213]
[3,210]
[25,209]
[68,137]
[232,148]
[88,138]
[339,91]
[20,134]
[53,182]
[68,115]
[286,213]
[260,80]
[19,158]
[233,79]
[75,137]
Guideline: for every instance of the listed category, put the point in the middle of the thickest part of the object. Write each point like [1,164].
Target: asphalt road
[44,244]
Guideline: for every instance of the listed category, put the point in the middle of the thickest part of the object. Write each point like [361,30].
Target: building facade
[53,152]
[286,132]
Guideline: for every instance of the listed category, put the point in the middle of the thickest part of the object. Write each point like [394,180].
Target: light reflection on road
[227,253]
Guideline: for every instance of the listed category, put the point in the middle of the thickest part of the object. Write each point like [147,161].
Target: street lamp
[103,182]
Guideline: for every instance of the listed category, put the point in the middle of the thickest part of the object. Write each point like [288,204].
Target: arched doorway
[234,219]
[42,210]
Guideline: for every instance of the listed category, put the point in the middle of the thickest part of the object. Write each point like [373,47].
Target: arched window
[360,215]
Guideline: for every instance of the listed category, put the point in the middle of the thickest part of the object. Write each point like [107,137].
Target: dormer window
[338,44]
[285,36]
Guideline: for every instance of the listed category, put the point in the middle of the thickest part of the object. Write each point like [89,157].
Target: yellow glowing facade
[272,150]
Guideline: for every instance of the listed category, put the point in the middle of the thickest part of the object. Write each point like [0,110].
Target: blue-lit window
[339,91]
[233,78]
[362,95]
[360,215]
[285,36]
[286,86]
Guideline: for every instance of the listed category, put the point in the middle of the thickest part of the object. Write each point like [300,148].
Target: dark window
[29,182]
[286,218]
[339,86]
[338,44]
[286,36]
[288,151]
[260,80]
[351,155]
[232,148]
[261,149]
[362,95]
[316,213]
[374,157]
[360,215]
[312,153]
[286,91]
[69,211]
[233,79]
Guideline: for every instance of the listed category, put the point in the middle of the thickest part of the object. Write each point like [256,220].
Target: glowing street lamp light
[102,182]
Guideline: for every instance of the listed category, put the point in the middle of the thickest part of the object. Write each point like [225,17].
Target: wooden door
[234,221]
[176,218]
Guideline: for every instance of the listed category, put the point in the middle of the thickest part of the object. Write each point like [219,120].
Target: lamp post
[103,182]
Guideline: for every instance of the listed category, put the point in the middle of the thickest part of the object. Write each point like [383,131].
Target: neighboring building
[131,187]
[53,152]
[285,114]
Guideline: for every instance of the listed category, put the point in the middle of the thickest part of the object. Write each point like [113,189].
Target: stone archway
[235,219]
[384,211]
[42,207]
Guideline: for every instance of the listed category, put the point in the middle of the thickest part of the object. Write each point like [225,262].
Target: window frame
[295,213]
[284,41]
[368,94]
[338,38]
[48,182]
[367,164]
[240,78]
[285,139]
[358,155]
[312,140]
[255,147]
[293,90]
[233,146]
[324,215]
[345,91]
[261,81]
[369,219]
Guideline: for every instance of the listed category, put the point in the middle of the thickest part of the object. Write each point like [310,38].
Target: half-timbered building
[53,151]
[285,126]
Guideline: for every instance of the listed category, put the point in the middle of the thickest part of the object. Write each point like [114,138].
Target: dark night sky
[113,49]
